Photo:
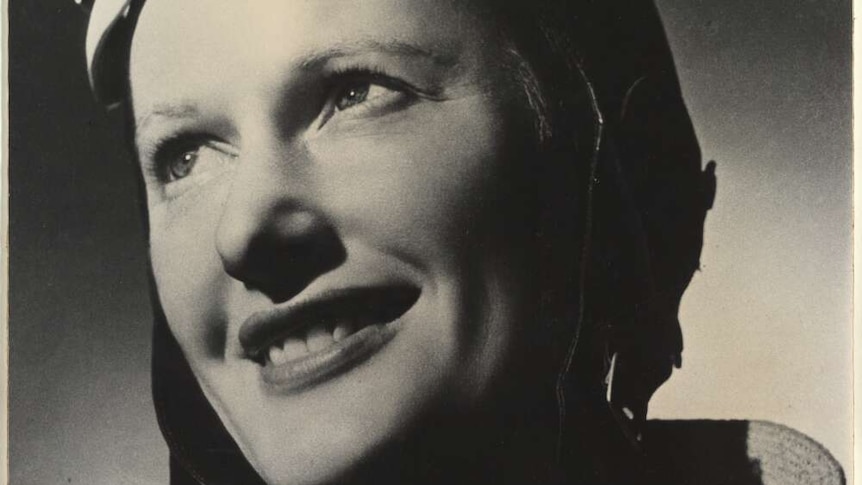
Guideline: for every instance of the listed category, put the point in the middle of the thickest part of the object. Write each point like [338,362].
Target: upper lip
[382,303]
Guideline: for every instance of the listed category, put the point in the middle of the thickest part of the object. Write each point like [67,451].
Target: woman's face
[340,230]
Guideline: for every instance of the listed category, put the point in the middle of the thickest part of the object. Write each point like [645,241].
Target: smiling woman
[415,241]
[369,242]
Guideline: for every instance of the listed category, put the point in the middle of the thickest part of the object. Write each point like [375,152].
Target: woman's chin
[323,432]
[315,452]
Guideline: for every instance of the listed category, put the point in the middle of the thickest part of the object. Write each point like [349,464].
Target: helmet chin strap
[562,383]
[628,414]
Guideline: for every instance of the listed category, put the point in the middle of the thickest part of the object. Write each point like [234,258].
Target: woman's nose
[271,239]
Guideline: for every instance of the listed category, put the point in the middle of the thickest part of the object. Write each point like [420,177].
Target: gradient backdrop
[766,321]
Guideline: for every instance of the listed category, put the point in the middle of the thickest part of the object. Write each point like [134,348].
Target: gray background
[766,321]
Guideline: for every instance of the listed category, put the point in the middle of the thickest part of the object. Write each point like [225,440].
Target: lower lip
[298,375]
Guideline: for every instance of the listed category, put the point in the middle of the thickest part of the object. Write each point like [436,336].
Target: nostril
[280,255]
[281,268]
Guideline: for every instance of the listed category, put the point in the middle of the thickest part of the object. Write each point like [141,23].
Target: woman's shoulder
[707,452]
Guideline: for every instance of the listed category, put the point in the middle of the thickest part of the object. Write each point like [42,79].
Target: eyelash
[170,149]
[341,79]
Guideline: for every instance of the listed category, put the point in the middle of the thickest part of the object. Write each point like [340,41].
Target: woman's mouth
[304,343]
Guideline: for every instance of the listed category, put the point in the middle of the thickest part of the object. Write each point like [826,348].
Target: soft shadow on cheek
[503,251]
[189,277]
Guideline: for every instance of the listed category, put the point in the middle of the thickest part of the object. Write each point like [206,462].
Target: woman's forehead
[189,45]
[211,28]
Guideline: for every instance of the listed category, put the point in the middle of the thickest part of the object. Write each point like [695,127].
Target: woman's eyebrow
[314,60]
[175,111]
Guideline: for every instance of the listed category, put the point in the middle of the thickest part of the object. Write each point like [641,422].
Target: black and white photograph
[350,242]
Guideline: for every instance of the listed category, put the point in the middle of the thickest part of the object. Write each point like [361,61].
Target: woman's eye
[364,95]
[182,166]
[352,95]
[368,95]
[180,160]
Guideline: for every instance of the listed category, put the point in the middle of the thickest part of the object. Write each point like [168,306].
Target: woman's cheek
[424,179]
[189,274]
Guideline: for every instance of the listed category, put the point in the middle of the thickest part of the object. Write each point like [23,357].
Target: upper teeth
[318,337]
